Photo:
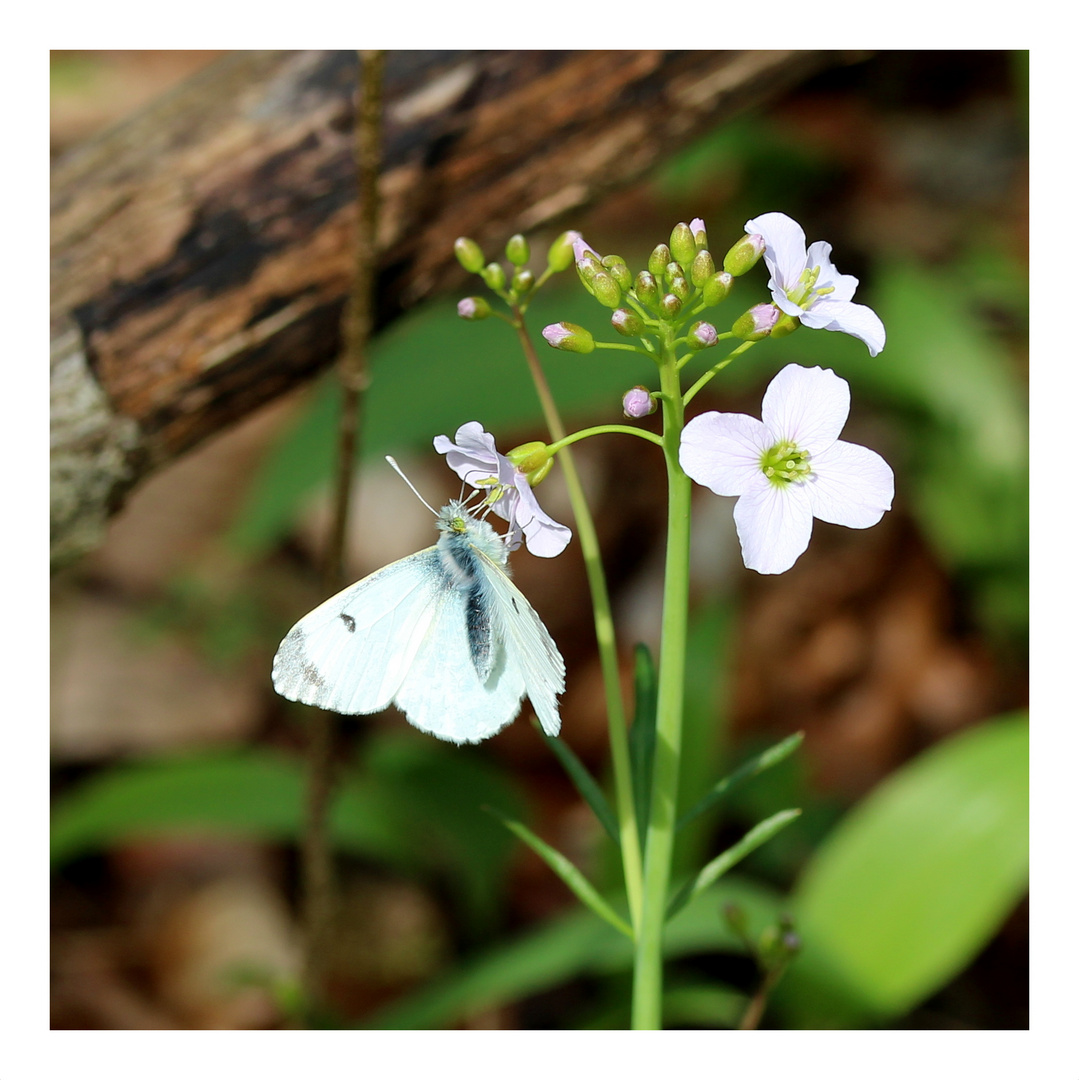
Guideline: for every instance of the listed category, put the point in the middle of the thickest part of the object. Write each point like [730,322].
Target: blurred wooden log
[201,251]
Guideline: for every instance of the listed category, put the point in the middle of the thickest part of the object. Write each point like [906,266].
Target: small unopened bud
[702,335]
[716,288]
[517,250]
[627,323]
[670,306]
[680,287]
[756,323]
[700,237]
[785,324]
[522,281]
[683,247]
[468,254]
[560,253]
[533,459]
[657,261]
[606,290]
[616,267]
[638,402]
[473,308]
[646,288]
[673,269]
[494,277]
[744,255]
[702,268]
[569,337]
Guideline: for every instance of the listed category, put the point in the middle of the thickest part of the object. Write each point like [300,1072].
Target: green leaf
[568,947]
[582,888]
[412,804]
[711,873]
[642,736]
[585,783]
[917,877]
[753,767]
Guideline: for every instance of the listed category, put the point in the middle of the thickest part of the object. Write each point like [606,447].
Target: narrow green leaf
[574,879]
[772,756]
[584,782]
[711,873]
[567,947]
[916,879]
[642,736]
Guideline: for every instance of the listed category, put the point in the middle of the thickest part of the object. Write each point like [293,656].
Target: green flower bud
[646,288]
[627,323]
[533,459]
[494,277]
[468,254]
[702,268]
[680,287]
[756,323]
[522,281]
[517,250]
[785,324]
[605,289]
[473,308]
[657,261]
[670,306]
[560,253]
[569,337]
[716,288]
[673,269]
[682,245]
[616,267]
[744,255]
[586,270]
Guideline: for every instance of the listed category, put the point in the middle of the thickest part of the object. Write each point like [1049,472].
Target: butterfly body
[443,634]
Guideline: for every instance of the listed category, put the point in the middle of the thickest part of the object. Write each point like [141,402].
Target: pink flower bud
[637,402]
[569,337]
[704,335]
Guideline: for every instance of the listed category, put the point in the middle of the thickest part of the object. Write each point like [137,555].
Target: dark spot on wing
[349,621]
[513,601]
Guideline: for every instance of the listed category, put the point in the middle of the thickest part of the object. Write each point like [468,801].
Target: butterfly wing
[442,692]
[530,653]
[352,653]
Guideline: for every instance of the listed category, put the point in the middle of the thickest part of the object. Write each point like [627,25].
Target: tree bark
[202,250]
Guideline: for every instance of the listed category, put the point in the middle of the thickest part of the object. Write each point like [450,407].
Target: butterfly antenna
[397,469]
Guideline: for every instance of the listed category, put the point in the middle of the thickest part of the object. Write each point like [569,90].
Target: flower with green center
[807,286]
[789,467]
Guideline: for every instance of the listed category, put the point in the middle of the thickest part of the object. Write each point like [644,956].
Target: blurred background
[900,651]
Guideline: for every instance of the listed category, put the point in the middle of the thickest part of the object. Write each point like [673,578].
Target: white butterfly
[443,634]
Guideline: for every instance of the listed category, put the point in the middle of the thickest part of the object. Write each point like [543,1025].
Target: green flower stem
[608,652]
[703,381]
[659,845]
[604,429]
[623,347]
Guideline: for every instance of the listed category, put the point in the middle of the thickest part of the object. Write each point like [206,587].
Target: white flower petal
[855,319]
[808,406]
[843,285]
[851,485]
[723,451]
[543,535]
[774,525]
[785,247]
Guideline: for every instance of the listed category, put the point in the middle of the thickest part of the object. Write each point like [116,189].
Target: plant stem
[608,651]
[357,322]
[659,846]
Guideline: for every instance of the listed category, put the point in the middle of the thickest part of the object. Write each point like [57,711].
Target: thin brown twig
[356,326]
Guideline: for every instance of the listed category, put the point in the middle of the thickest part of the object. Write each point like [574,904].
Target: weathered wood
[202,249]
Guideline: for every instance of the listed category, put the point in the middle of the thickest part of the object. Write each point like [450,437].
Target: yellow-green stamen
[785,464]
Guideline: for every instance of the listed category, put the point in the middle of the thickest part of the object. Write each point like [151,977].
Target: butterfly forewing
[352,652]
